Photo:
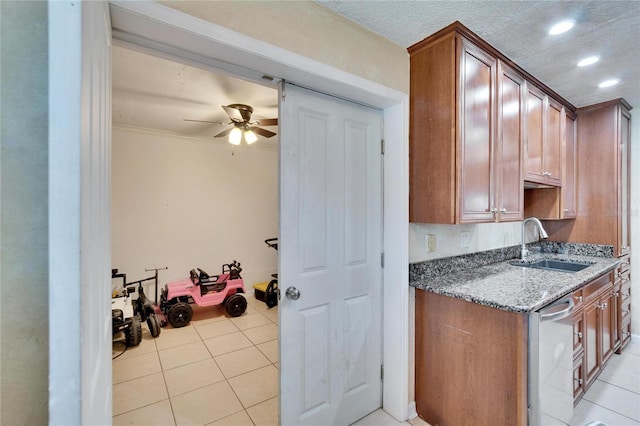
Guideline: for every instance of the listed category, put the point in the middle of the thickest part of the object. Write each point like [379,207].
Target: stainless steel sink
[554,265]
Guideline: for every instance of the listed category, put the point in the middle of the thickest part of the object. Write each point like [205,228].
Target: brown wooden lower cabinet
[471,363]
[622,295]
[595,329]
[472,360]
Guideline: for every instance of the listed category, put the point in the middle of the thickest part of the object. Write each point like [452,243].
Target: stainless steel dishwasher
[551,364]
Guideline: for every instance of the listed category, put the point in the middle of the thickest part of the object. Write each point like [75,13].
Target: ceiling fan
[240,116]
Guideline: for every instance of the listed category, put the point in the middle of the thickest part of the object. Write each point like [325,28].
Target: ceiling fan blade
[263,132]
[268,121]
[204,121]
[224,132]
[238,112]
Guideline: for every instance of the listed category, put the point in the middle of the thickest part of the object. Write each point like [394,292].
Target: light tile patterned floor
[614,398]
[224,371]
[216,371]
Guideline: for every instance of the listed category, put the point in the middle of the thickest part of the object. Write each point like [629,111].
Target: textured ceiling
[158,94]
[610,29]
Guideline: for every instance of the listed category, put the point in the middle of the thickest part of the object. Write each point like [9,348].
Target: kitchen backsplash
[443,266]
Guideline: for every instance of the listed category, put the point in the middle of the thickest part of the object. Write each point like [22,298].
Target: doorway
[183,198]
[170,31]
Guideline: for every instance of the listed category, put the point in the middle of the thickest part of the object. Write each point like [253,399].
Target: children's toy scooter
[204,290]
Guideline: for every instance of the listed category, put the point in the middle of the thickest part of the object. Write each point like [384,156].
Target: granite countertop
[512,288]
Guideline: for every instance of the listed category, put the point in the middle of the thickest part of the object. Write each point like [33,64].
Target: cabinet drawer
[626,262]
[625,292]
[625,310]
[592,289]
[625,337]
[623,276]
[578,298]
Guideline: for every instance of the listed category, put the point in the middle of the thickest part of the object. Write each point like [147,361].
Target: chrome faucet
[543,234]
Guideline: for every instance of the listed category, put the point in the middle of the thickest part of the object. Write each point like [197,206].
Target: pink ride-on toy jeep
[204,290]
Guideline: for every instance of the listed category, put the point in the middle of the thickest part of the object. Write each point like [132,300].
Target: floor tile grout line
[145,406]
[225,379]
[613,411]
[618,386]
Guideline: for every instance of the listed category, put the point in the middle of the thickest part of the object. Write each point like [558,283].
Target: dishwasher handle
[557,310]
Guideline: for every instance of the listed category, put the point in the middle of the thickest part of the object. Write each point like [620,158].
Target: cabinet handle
[603,306]
[579,334]
[503,210]
[565,210]
[616,294]
[578,380]
[625,312]
[579,299]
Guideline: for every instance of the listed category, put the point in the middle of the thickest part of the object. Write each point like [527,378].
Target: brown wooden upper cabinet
[544,139]
[468,111]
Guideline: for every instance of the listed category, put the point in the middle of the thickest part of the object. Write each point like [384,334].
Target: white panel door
[330,251]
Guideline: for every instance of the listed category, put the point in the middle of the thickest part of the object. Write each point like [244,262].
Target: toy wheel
[179,314]
[154,325]
[271,294]
[133,334]
[236,305]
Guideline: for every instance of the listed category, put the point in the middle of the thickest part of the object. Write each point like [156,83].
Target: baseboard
[411,410]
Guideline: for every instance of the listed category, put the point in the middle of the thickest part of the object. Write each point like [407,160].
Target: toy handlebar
[270,243]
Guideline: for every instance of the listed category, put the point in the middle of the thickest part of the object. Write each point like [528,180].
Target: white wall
[483,236]
[184,203]
[307,28]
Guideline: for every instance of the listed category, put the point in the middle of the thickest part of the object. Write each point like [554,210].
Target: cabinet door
[591,341]
[624,229]
[578,379]
[552,144]
[509,146]
[535,134]
[578,333]
[607,319]
[477,128]
[568,191]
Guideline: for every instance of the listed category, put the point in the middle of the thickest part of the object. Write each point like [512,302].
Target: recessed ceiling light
[561,27]
[609,83]
[588,61]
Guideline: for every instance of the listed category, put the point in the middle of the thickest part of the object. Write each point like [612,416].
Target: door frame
[152,27]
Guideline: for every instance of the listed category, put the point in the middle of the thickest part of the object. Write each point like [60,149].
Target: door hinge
[382,146]
[382,372]
[382,260]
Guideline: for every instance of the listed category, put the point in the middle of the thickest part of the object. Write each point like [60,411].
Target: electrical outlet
[431,243]
[465,239]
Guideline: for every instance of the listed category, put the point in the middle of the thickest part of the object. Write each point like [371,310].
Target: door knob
[292,293]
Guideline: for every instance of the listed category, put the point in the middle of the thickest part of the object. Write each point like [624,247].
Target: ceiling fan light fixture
[235,137]
[250,137]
